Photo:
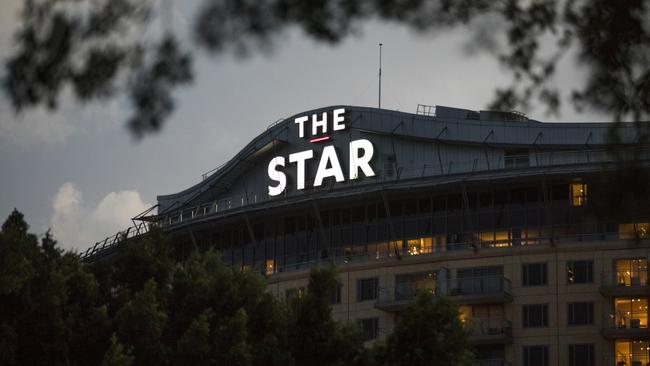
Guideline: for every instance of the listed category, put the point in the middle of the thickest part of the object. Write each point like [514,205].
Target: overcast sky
[79,172]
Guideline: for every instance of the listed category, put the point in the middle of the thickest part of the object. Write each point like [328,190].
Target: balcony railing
[623,325]
[488,330]
[625,283]
[628,359]
[395,299]
[496,288]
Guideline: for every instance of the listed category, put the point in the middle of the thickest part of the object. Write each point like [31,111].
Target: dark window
[485,199]
[536,356]
[535,315]
[516,158]
[358,213]
[369,327]
[582,355]
[581,313]
[410,207]
[336,296]
[560,193]
[292,294]
[367,289]
[580,272]
[534,274]
[395,208]
[345,216]
[424,205]
[289,225]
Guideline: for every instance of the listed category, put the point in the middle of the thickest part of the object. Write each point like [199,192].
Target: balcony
[627,359]
[491,362]
[484,331]
[477,290]
[625,327]
[624,283]
[396,299]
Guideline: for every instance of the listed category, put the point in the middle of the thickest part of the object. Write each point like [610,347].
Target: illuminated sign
[361,153]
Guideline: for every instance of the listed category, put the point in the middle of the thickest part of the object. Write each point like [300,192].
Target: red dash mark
[319,139]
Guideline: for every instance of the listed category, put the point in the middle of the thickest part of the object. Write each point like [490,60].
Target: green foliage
[140,308]
[315,338]
[96,51]
[117,354]
[428,332]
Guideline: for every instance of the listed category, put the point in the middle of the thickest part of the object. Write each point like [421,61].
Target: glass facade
[632,272]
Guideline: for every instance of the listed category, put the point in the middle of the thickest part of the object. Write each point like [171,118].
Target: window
[367,289]
[579,272]
[516,158]
[630,313]
[406,285]
[291,294]
[534,274]
[369,327]
[632,272]
[632,352]
[581,313]
[536,356]
[634,231]
[336,295]
[479,280]
[582,355]
[578,194]
[535,315]
[270,266]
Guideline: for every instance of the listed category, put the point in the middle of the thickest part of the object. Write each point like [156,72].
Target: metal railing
[625,278]
[496,326]
[545,159]
[628,359]
[405,293]
[112,241]
[622,320]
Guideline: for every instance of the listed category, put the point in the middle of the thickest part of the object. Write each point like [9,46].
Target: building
[501,213]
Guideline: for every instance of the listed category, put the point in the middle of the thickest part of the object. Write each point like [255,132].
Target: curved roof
[448,144]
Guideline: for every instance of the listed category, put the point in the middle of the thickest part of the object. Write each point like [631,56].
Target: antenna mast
[380,75]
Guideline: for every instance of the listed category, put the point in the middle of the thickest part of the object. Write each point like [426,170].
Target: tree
[427,332]
[315,338]
[117,354]
[93,49]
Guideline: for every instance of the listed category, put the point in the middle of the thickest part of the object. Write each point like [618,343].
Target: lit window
[632,272]
[634,231]
[419,246]
[578,194]
[632,352]
[270,267]
[630,313]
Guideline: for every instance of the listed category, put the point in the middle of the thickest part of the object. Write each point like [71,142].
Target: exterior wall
[557,293]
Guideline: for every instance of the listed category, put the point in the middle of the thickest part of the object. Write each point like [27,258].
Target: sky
[78,171]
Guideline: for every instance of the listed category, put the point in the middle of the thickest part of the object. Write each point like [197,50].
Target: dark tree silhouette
[61,42]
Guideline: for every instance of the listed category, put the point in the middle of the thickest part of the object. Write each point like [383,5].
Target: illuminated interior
[632,272]
[482,319]
[578,194]
[630,313]
[632,353]
[270,266]
[634,231]
[419,246]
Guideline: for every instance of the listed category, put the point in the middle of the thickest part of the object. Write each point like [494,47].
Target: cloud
[78,225]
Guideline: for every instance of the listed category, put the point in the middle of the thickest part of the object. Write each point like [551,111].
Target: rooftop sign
[361,152]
